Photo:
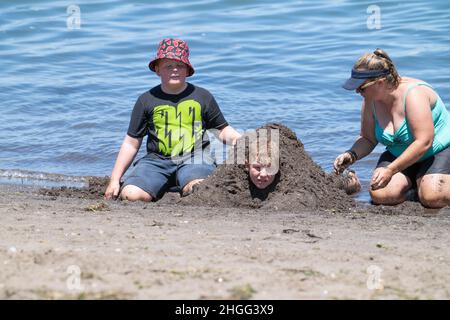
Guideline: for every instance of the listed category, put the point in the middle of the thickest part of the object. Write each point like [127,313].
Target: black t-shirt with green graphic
[175,124]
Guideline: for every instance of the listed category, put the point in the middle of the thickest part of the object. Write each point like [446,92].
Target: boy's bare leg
[134,193]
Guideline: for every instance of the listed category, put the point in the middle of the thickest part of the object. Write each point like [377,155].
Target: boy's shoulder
[201,90]
[151,92]
[202,93]
[147,96]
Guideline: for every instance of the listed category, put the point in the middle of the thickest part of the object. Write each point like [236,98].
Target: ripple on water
[67,94]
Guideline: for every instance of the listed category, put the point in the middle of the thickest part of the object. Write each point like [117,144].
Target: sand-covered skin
[159,251]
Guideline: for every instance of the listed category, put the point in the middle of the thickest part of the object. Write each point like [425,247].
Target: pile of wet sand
[300,184]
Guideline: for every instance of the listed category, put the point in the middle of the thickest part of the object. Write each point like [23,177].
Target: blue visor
[360,76]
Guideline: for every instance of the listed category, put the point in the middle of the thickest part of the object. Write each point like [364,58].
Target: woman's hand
[112,191]
[342,162]
[381,177]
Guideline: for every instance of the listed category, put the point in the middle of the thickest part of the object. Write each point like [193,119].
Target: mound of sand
[300,183]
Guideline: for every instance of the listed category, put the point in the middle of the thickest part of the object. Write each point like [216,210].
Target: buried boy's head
[263,162]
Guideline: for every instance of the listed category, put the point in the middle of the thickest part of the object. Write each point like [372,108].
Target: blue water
[66,94]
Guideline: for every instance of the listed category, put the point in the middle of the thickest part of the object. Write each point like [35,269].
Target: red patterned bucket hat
[174,49]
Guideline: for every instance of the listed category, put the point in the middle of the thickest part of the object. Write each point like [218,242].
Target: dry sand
[154,251]
[306,240]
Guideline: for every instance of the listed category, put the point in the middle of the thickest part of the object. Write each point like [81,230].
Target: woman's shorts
[438,163]
[156,175]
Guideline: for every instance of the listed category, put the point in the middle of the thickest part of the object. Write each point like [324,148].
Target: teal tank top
[401,139]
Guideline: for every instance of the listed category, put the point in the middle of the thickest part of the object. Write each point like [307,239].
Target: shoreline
[170,251]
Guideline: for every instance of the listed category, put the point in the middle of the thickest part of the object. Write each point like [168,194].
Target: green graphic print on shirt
[178,128]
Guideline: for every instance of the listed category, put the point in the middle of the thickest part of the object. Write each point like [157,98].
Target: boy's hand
[228,135]
[112,191]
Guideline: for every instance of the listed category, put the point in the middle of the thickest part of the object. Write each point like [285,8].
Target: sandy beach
[301,238]
[319,91]
[56,247]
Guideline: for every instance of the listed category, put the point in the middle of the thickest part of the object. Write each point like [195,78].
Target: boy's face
[172,72]
[261,175]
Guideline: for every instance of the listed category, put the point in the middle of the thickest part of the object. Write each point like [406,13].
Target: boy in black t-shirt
[174,116]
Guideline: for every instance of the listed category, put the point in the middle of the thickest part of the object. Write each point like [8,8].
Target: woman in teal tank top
[410,119]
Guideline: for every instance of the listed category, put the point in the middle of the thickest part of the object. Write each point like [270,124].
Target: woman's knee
[432,194]
[387,196]
[134,193]
[432,201]
[394,193]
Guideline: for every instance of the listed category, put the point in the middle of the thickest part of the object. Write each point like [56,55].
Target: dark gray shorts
[439,163]
[156,175]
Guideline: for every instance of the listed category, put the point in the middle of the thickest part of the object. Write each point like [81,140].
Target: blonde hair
[379,60]
[264,152]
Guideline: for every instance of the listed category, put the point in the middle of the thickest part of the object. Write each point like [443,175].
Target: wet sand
[172,251]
